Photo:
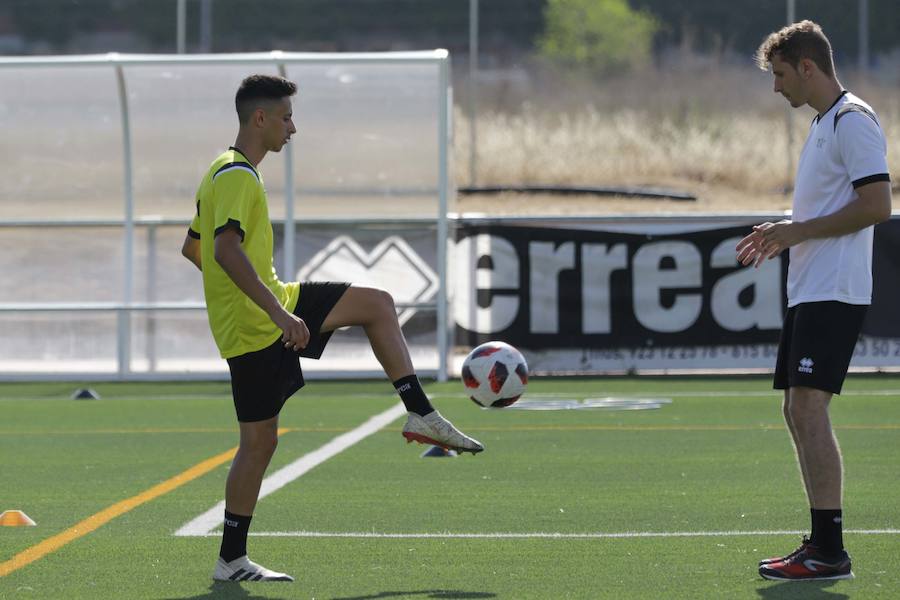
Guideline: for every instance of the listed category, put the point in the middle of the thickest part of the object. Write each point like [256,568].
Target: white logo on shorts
[806,365]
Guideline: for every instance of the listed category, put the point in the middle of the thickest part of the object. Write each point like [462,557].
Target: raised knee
[386,298]
[385,301]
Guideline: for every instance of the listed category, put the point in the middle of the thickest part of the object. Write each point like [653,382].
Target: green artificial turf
[715,460]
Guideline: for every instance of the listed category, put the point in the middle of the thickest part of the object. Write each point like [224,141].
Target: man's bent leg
[374,310]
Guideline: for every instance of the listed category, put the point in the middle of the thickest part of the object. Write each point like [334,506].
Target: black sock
[234,536]
[827,531]
[414,399]
[814,530]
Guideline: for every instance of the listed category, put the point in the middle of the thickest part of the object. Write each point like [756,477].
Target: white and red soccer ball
[495,374]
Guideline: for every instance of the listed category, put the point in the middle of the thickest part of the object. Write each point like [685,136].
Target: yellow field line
[106,515]
[159,430]
[111,431]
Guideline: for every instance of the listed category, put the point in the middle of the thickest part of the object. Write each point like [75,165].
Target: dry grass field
[692,125]
[716,132]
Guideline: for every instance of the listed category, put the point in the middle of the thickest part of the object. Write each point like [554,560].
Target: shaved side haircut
[257,89]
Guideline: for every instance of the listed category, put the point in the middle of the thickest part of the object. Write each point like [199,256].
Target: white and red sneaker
[775,559]
[435,430]
[809,565]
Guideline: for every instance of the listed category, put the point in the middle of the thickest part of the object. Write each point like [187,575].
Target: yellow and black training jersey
[232,195]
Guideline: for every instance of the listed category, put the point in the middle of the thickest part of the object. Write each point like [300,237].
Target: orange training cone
[15,518]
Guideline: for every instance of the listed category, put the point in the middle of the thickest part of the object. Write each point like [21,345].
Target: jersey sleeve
[194,228]
[863,148]
[234,194]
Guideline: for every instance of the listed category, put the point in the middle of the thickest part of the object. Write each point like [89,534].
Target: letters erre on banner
[551,287]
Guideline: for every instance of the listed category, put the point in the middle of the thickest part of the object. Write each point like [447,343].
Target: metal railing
[119,62]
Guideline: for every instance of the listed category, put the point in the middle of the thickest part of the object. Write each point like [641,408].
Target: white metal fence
[95,144]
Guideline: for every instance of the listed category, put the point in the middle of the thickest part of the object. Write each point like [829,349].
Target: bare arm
[872,206]
[191,250]
[234,262]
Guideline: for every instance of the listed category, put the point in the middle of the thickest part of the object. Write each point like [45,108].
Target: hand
[782,235]
[767,241]
[294,333]
[750,248]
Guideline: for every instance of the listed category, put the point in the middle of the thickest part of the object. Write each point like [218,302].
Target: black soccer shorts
[262,381]
[817,342]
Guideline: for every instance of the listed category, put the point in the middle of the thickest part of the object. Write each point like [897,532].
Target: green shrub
[600,36]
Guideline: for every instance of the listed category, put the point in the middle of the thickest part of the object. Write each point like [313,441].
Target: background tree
[601,36]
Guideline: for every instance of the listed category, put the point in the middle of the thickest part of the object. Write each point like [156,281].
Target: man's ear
[258,118]
[806,67]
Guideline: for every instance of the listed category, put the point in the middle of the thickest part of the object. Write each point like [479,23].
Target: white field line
[550,395]
[212,518]
[675,394]
[542,535]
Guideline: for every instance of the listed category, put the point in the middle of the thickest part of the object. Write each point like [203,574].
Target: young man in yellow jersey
[262,325]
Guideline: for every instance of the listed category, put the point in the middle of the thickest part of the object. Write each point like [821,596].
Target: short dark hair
[260,87]
[796,42]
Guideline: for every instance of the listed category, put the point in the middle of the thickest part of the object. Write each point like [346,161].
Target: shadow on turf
[226,590]
[801,590]
[439,594]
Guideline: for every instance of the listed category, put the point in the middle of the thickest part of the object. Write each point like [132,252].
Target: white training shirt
[846,149]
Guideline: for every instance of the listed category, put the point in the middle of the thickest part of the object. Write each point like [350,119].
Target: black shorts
[817,343]
[262,381]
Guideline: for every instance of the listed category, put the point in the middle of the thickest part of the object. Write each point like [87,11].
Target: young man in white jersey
[842,190]
[262,326]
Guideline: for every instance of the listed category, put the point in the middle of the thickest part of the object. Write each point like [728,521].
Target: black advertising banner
[882,319]
[570,287]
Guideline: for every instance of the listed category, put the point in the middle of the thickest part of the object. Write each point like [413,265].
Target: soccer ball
[495,374]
